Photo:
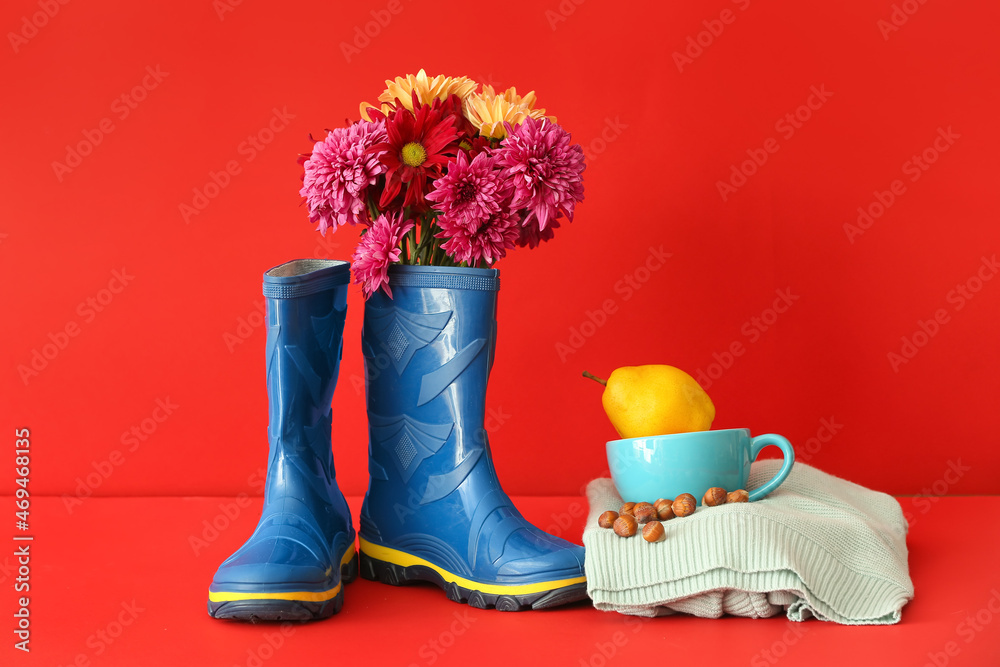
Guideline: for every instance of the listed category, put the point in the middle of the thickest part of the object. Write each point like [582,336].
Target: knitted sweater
[817,546]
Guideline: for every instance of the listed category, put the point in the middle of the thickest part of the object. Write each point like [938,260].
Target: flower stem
[426,242]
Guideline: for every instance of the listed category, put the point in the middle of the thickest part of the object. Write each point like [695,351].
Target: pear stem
[588,374]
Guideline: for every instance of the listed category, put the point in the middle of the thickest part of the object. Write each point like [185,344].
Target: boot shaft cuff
[302,277]
[446,277]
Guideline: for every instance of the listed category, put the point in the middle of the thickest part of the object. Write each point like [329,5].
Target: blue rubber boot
[294,565]
[435,510]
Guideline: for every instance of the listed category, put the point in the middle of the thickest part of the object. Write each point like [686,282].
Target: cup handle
[760,442]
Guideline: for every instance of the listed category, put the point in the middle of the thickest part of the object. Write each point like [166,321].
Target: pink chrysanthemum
[379,247]
[339,171]
[487,241]
[547,171]
[470,192]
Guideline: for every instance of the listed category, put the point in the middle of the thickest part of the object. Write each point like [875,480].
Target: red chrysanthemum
[463,126]
[418,146]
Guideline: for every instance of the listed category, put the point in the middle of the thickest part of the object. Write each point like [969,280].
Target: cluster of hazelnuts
[626,520]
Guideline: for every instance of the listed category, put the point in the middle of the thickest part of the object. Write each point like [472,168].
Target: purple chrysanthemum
[487,241]
[546,170]
[470,192]
[379,247]
[339,171]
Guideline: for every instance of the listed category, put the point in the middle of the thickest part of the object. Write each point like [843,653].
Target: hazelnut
[643,512]
[652,531]
[664,511]
[627,508]
[738,496]
[607,519]
[625,525]
[684,505]
[714,496]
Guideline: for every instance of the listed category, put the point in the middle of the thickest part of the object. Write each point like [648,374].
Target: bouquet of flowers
[443,172]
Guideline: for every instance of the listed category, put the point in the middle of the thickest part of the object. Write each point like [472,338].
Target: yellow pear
[654,400]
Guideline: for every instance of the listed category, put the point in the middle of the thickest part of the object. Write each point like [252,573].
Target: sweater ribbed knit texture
[819,546]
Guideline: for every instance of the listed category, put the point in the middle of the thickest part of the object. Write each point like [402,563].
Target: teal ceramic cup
[665,466]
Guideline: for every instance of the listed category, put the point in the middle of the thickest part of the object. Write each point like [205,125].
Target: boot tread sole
[374,569]
[256,610]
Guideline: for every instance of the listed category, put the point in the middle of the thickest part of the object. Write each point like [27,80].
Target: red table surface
[123,581]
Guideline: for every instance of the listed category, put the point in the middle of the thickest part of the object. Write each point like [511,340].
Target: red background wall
[660,132]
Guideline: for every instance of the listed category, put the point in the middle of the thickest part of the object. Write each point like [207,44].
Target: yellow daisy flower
[427,89]
[488,111]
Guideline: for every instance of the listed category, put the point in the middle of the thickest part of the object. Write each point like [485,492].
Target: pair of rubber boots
[434,510]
